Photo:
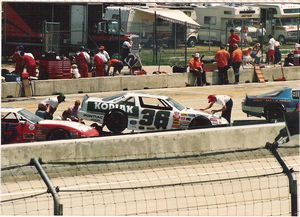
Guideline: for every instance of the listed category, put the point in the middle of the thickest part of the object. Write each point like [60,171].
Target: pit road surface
[193,97]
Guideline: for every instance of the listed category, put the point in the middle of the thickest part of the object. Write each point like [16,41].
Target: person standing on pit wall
[223,100]
[256,53]
[16,57]
[196,67]
[99,63]
[106,58]
[83,59]
[233,39]
[277,55]
[28,63]
[126,48]
[237,58]
[52,103]
[271,50]
[117,64]
[222,58]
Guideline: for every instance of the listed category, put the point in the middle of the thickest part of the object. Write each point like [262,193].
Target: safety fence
[246,182]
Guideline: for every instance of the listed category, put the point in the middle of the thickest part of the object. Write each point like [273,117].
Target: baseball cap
[197,55]
[211,98]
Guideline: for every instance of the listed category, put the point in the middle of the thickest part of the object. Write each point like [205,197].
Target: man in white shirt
[223,100]
[271,49]
[52,103]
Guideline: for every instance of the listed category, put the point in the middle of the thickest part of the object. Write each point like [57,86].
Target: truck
[155,22]
[282,21]
[217,19]
[62,28]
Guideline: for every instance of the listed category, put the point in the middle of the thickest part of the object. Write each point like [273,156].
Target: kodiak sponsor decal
[104,107]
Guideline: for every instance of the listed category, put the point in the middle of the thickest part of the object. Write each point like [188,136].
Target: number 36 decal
[159,119]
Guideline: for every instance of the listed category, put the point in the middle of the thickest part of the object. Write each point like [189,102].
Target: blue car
[273,105]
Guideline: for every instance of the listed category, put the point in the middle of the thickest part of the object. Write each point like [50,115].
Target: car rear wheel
[199,122]
[274,114]
[59,134]
[116,121]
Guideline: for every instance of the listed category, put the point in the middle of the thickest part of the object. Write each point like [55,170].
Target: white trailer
[141,21]
[281,21]
[217,19]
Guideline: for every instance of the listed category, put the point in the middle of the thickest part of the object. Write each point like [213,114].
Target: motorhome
[164,24]
[216,20]
[282,21]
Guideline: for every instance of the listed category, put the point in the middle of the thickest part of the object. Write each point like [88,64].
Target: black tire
[192,42]
[275,114]
[116,121]
[59,134]
[199,122]
[281,39]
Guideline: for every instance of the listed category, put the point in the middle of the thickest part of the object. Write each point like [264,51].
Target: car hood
[70,124]
[211,117]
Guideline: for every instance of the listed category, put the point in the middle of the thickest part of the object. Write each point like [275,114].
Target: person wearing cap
[82,60]
[196,67]
[126,48]
[16,57]
[51,104]
[222,58]
[223,100]
[117,65]
[237,58]
[233,39]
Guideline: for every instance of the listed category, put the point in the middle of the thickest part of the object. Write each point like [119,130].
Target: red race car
[20,125]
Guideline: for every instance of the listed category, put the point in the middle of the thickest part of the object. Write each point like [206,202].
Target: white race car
[144,112]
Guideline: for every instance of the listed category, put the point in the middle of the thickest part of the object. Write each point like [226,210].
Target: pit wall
[143,146]
[152,81]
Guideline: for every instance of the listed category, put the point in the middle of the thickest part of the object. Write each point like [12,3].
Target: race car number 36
[159,119]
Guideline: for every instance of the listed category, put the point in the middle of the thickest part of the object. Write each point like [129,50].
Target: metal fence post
[292,183]
[58,207]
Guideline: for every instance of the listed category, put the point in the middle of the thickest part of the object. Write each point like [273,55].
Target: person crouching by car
[52,103]
[223,100]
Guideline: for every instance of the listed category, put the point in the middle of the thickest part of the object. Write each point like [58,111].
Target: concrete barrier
[105,84]
[143,146]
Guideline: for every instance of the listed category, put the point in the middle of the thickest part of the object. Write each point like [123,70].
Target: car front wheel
[59,134]
[274,114]
[199,122]
[116,121]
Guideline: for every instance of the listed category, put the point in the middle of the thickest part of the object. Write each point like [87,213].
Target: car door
[11,129]
[154,114]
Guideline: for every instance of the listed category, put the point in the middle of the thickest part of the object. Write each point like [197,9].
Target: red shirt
[233,39]
[19,62]
[29,60]
[195,63]
[222,58]
[237,55]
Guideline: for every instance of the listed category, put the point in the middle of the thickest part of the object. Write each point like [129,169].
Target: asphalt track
[193,97]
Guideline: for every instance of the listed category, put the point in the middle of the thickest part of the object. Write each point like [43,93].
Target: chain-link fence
[249,182]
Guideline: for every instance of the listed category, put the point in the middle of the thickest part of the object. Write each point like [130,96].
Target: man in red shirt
[100,65]
[222,58]
[196,67]
[83,59]
[16,57]
[237,58]
[28,63]
[233,39]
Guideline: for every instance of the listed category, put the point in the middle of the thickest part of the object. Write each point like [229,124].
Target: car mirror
[23,122]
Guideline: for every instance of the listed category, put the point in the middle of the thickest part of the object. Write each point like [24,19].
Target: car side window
[129,101]
[153,103]
[10,117]
[296,94]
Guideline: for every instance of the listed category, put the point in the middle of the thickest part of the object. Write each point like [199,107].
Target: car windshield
[30,116]
[272,93]
[109,98]
[175,104]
